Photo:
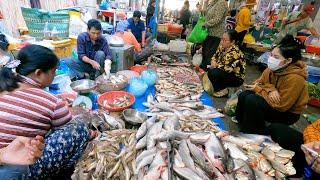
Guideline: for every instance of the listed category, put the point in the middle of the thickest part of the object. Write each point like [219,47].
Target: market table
[205,99]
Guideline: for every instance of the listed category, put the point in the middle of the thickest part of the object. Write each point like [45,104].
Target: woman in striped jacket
[27,110]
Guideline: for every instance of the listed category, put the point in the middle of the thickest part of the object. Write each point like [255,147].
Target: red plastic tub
[113,95]
[313,49]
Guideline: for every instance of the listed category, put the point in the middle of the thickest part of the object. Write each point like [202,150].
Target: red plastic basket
[138,69]
[313,49]
[314,102]
[174,29]
[111,96]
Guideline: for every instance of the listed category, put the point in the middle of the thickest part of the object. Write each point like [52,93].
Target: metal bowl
[134,117]
[83,86]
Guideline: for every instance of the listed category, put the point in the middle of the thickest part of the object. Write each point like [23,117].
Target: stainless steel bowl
[83,86]
[134,117]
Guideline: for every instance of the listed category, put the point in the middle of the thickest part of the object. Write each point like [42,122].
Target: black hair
[313,3]
[31,58]
[93,23]
[290,48]
[4,44]
[233,35]
[233,12]
[137,14]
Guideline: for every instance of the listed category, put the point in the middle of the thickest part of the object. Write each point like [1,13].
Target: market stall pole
[156,14]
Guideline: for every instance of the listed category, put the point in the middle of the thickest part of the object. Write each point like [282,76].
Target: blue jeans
[78,68]
[10,172]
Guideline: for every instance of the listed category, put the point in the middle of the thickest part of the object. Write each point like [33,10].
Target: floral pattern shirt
[231,60]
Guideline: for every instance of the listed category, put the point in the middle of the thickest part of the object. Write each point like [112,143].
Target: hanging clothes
[35,4]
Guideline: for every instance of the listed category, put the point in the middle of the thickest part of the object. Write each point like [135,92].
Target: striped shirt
[30,112]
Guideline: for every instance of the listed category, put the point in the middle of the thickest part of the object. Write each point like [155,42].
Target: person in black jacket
[185,16]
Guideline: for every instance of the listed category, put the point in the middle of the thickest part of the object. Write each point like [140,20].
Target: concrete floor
[252,74]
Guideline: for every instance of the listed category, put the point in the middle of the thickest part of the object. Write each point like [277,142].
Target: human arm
[314,32]
[143,40]
[61,114]
[22,151]
[218,14]
[106,49]
[135,43]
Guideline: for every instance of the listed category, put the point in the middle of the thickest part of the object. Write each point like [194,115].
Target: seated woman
[227,65]
[292,139]
[279,95]
[27,110]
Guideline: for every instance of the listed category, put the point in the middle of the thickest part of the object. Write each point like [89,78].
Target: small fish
[243,170]
[172,124]
[268,153]
[235,152]
[278,166]
[145,161]
[185,153]
[200,138]
[216,152]
[158,160]
[142,143]
[142,131]
[178,135]
[261,175]
[272,146]
[152,133]
[290,169]
[285,153]
[178,162]
[146,153]
[264,165]
[201,173]
[186,173]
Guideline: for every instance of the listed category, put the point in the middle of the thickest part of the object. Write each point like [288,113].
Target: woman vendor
[292,139]
[27,110]
[227,65]
[279,95]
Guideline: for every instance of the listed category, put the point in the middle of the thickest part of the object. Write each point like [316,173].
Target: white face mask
[274,63]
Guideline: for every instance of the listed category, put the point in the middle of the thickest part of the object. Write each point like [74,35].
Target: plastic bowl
[111,96]
[138,69]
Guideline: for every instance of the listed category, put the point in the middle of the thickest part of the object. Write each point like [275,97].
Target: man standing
[93,50]
[243,21]
[137,27]
[215,14]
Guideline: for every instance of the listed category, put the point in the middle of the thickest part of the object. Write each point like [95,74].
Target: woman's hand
[22,151]
[311,159]
[275,97]
[214,64]
[250,87]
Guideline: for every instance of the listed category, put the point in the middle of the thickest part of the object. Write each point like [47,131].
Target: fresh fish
[279,175]
[172,124]
[252,147]
[268,153]
[216,153]
[278,166]
[165,173]
[151,121]
[112,121]
[259,139]
[178,162]
[201,173]
[243,170]
[162,145]
[158,160]
[185,153]
[186,173]
[152,133]
[281,160]
[290,169]
[200,138]
[235,152]
[285,153]
[259,175]
[146,153]
[142,143]
[272,146]
[178,135]
[264,165]
[142,131]
[144,162]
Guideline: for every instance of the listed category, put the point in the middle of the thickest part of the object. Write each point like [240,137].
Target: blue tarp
[205,98]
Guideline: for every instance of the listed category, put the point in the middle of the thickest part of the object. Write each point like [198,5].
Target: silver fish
[201,173]
[145,161]
[142,143]
[268,153]
[216,152]
[146,153]
[285,153]
[261,175]
[158,160]
[200,138]
[243,170]
[142,131]
[164,174]
[112,121]
[185,153]
[186,173]
[152,133]
[278,166]
[178,135]
[172,124]
[290,169]
[235,152]
[178,162]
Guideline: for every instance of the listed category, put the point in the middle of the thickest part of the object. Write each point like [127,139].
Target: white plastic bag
[197,60]
[178,46]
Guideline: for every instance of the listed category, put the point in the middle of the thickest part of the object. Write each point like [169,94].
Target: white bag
[197,60]
[178,46]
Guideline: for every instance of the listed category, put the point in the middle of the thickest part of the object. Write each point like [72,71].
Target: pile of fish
[100,120]
[118,102]
[172,84]
[111,156]
[169,153]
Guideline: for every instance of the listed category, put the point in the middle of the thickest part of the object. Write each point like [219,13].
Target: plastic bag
[149,77]
[137,87]
[197,59]
[104,5]
[249,38]
[207,85]
[198,34]
[231,105]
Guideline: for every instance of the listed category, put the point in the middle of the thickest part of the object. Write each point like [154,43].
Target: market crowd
[39,139]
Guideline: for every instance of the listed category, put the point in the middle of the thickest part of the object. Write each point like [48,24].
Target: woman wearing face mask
[27,110]
[227,65]
[279,95]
